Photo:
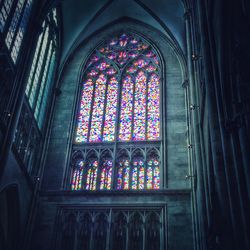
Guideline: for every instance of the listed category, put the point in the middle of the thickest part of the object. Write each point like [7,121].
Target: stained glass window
[119,104]
[125,66]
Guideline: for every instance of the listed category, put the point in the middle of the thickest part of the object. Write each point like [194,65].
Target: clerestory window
[14,17]
[117,142]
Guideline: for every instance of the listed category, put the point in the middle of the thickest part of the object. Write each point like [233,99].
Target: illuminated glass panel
[21,30]
[47,91]
[92,175]
[153,129]
[14,23]
[149,176]
[126,177]
[98,110]
[84,114]
[4,13]
[37,73]
[140,107]
[106,174]
[33,66]
[110,116]
[141,176]
[43,81]
[123,174]
[126,109]
[138,174]
[156,179]
[134,175]
[77,177]
[153,174]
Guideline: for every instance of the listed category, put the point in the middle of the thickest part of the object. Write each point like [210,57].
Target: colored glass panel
[140,63]
[151,68]
[119,177]
[156,178]
[77,177]
[140,107]
[106,175]
[126,109]
[141,174]
[123,175]
[138,174]
[126,178]
[153,174]
[134,176]
[103,66]
[98,110]
[92,176]
[153,129]
[149,177]
[110,116]
[84,114]
[111,71]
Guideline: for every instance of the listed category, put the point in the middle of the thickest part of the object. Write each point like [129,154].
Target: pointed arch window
[120,107]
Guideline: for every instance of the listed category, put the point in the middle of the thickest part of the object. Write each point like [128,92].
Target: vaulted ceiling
[83,17]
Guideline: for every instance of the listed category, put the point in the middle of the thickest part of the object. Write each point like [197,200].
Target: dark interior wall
[177,218]
[17,194]
[221,32]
